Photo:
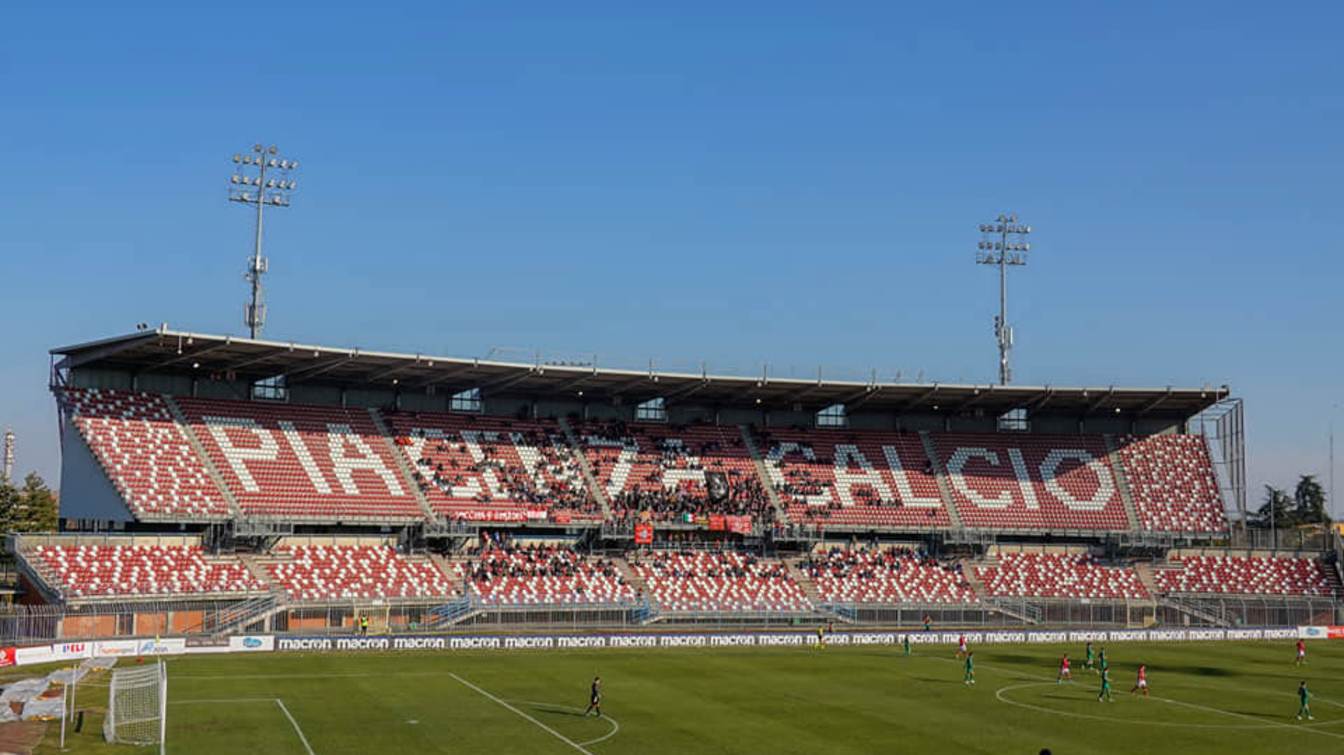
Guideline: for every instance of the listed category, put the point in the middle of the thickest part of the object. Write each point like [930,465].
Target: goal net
[137,706]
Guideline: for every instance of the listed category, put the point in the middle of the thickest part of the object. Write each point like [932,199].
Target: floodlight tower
[1002,243]
[251,184]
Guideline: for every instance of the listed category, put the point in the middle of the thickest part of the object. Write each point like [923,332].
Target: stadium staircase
[630,576]
[407,474]
[781,514]
[1147,576]
[588,477]
[940,475]
[1122,482]
[181,419]
[1192,609]
[452,612]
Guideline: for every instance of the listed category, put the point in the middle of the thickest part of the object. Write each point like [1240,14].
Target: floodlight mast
[1002,244]
[247,187]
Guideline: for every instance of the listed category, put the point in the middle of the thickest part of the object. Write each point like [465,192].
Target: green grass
[1207,698]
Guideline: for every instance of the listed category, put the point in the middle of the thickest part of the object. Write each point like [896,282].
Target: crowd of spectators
[555,483]
[871,563]
[658,489]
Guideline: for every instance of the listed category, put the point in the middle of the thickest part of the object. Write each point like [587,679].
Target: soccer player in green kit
[1105,693]
[1087,661]
[969,677]
[1102,662]
[905,644]
[1304,702]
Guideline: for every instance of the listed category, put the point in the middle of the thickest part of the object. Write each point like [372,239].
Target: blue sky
[741,183]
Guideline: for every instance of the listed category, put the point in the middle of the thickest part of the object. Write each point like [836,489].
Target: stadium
[301,502]
[454,485]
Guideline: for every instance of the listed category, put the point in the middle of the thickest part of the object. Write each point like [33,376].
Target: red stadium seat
[145,454]
[1171,479]
[303,462]
[358,572]
[662,469]
[1027,481]
[1248,575]
[493,469]
[1059,575]
[846,575]
[701,581]
[853,478]
[545,575]
[139,571]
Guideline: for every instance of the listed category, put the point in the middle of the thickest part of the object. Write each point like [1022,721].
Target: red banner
[7,656]
[1334,633]
[717,523]
[740,525]
[644,534]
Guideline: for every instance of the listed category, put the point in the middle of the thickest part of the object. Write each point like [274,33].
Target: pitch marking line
[297,730]
[1263,723]
[543,726]
[230,700]
[615,725]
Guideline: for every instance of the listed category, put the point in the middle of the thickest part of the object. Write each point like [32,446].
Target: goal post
[137,706]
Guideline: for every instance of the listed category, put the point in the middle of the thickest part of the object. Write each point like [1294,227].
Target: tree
[9,505]
[1309,498]
[36,507]
[1278,509]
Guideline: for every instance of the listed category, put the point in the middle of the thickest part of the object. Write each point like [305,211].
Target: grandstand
[213,483]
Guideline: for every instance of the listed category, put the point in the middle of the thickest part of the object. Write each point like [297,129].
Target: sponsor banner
[8,656]
[207,645]
[1320,632]
[252,643]
[65,651]
[491,515]
[717,523]
[151,646]
[38,654]
[1278,633]
[536,514]
[643,534]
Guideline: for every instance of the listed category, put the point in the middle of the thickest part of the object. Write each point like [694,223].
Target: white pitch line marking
[1264,723]
[224,700]
[548,729]
[297,730]
[615,725]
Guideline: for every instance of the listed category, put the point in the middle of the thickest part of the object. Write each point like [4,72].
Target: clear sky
[741,183]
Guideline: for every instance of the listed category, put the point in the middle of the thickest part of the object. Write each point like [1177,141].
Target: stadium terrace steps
[940,476]
[80,572]
[589,479]
[804,581]
[1173,483]
[316,573]
[488,468]
[301,462]
[185,427]
[781,514]
[1121,480]
[1012,481]
[1147,576]
[853,478]
[1031,574]
[407,476]
[145,455]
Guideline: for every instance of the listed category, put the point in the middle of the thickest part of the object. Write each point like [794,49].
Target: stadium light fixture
[1003,244]
[270,175]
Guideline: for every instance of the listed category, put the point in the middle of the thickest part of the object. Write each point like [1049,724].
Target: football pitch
[1208,697]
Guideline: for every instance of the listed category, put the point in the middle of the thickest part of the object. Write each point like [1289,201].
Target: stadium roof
[163,350]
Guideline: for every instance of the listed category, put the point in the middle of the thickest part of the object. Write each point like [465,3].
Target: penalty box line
[1196,706]
[523,714]
[235,700]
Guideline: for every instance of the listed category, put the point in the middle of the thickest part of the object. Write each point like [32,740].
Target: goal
[137,706]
